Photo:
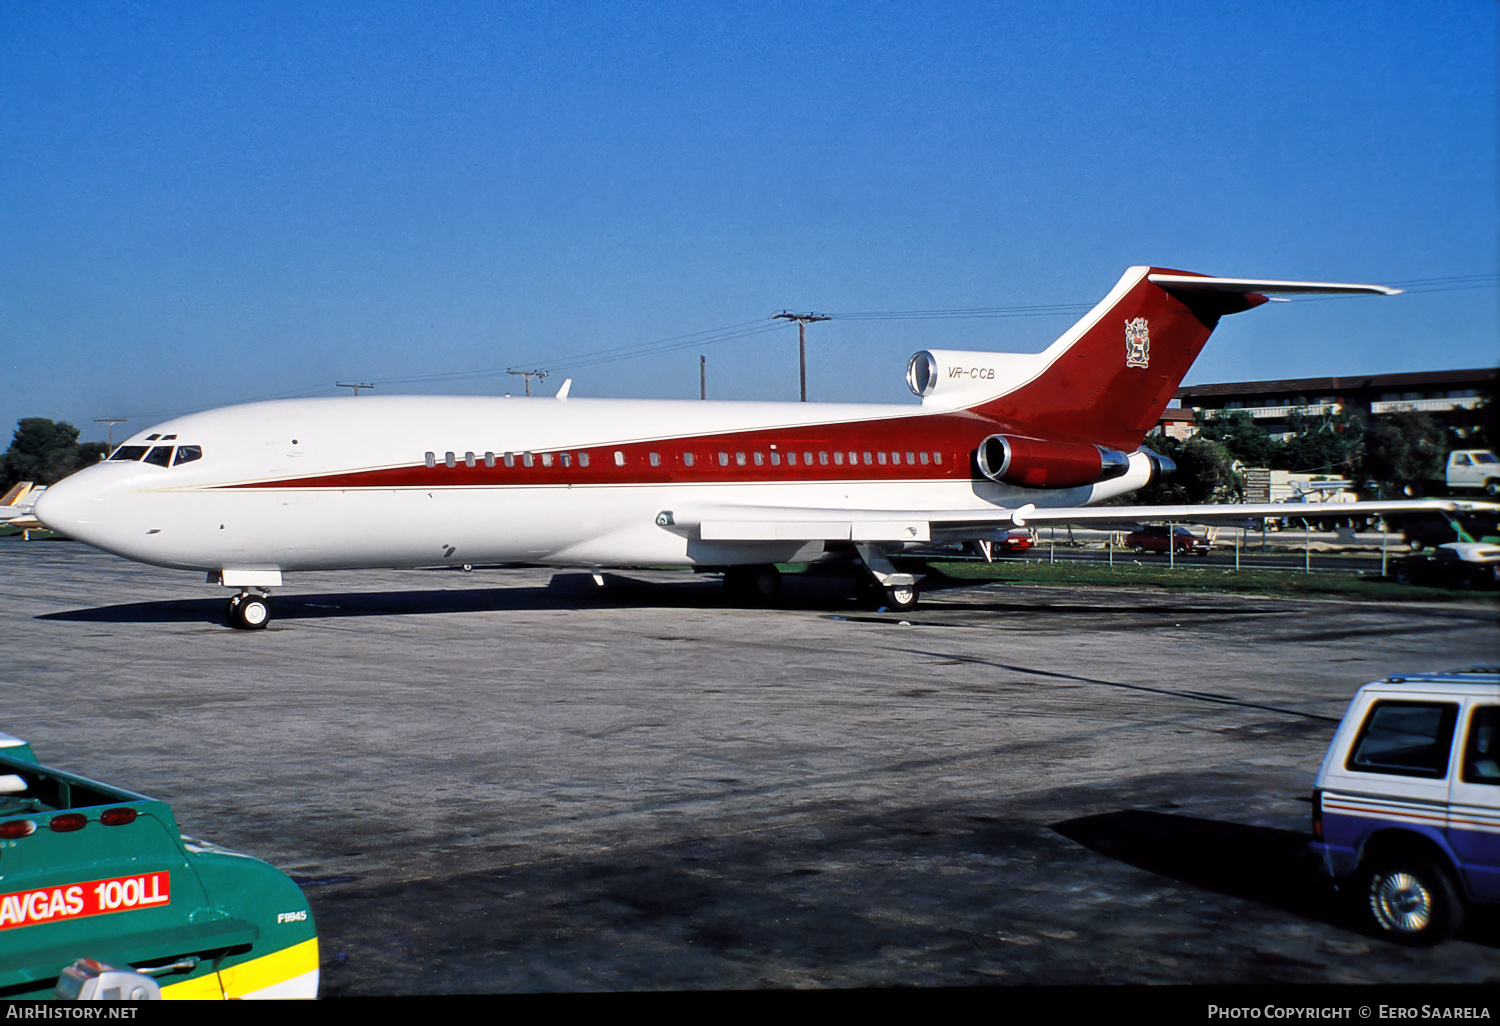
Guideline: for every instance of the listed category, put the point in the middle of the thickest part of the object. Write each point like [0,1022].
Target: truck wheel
[1410,899]
[1492,487]
[1405,575]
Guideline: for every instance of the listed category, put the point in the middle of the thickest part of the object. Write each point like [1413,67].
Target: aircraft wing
[784,523]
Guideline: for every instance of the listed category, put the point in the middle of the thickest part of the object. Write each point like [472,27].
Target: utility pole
[528,375]
[347,384]
[702,377]
[111,421]
[802,322]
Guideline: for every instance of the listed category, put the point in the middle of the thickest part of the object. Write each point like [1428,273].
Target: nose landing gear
[249,611]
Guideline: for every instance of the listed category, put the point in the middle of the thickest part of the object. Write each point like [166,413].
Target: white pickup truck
[1473,468]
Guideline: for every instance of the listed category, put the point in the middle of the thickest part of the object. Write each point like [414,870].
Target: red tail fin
[1108,379]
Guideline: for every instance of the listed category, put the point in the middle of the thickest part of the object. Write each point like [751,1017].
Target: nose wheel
[249,611]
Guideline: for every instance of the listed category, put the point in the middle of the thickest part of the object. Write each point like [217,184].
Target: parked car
[1429,531]
[1406,806]
[1454,565]
[1153,538]
[1015,541]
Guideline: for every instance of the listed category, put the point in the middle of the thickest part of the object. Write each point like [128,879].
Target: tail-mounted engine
[1036,463]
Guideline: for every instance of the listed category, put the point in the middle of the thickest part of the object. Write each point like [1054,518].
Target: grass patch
[1209,579]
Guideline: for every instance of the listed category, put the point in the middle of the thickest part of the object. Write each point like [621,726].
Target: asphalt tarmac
[511,780]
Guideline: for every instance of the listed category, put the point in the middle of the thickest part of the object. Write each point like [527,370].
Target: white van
[1406,807]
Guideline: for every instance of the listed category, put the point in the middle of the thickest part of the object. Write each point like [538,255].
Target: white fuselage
[365,482]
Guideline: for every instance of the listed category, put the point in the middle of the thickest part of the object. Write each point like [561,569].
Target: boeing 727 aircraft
[1001,440]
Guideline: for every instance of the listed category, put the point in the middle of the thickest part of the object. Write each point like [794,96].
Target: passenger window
[510,459]
[528,460]
[823,458]
[807,458]
[924,459]
[448,460]
[775,459]
[687,459]
[131,453]
[546,459]
[881,457]
[739,459]
[791,459]
[468,459]
[489,459]
[619,458]
[937,458]
[911,459]
[838,458]
[160,456]
[1482,754]
[1407,738]
[187,454]
[567,460]
[723,459]
[655,459]
[583,459]
[760,459]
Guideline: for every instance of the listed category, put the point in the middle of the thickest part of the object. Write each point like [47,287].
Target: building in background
[1451,397]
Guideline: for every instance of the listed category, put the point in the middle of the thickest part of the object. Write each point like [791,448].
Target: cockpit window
[129,453]
[187,454]
[161,456]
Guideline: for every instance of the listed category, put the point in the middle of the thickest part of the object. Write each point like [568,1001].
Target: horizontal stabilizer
[1200,284]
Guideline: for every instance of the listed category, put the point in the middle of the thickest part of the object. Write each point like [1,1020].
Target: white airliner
[1000,440]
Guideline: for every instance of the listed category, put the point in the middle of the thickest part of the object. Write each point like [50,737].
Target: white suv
[1406,806]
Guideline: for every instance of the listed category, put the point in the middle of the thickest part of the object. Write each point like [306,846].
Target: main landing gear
[753,583]
[883,588]
[249,611]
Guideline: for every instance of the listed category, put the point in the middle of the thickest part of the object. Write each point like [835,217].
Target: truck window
[1410,739]
[1482,753]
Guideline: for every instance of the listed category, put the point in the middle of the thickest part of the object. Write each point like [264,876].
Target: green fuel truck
[94,872]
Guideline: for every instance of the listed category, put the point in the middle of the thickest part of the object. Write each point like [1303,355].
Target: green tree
[1401,451]
[1205,473]
[1329,444]
[1246,440]
[45,452]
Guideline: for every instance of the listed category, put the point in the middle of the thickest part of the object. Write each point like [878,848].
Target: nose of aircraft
[73,506]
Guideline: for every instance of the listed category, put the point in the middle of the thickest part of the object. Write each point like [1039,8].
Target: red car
[1016,541]
[1153,538]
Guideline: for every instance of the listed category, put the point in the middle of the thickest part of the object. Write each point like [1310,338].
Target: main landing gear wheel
[901,598]
[754,583]
[249,612]
[1409,899]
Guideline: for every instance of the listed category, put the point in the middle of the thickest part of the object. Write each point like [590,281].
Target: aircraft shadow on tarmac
[566,591]
[1262,864]
[818,591]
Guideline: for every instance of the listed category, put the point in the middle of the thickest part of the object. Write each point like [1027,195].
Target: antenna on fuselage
[350,384]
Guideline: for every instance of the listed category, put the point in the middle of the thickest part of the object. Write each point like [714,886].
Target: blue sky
[202,204]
